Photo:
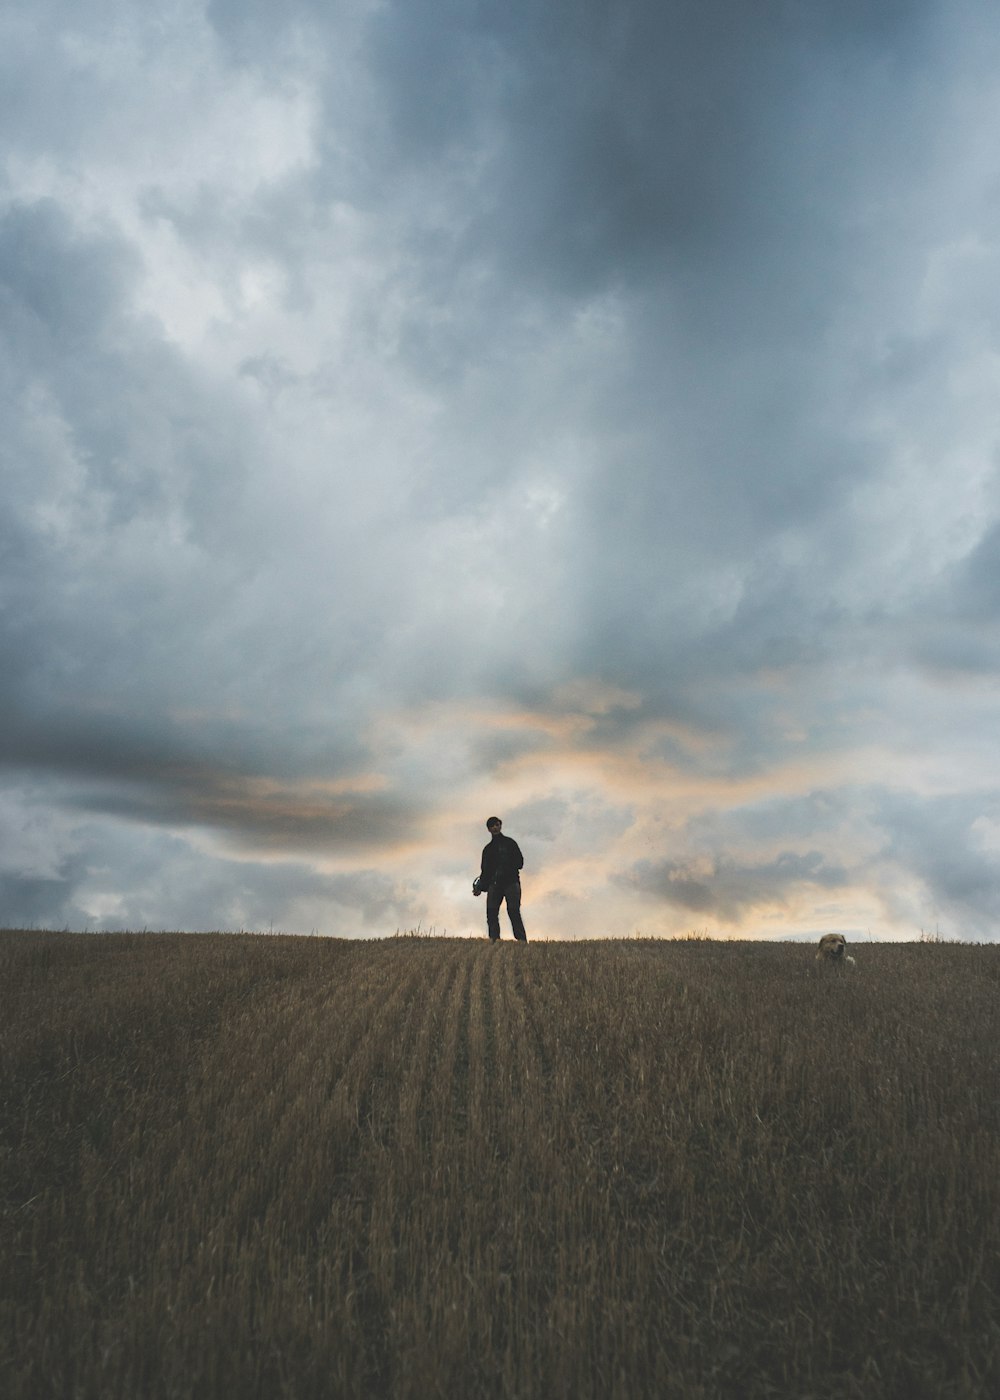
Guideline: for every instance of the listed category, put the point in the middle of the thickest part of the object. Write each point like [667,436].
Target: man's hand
[477,888]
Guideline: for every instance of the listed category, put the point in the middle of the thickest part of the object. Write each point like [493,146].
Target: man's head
[493,825]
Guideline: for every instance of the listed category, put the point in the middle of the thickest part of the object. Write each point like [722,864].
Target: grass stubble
[415,1167]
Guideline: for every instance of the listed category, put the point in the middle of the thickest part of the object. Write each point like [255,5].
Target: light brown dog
[833,948]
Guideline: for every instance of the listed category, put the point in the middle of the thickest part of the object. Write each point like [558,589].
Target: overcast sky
[415,410]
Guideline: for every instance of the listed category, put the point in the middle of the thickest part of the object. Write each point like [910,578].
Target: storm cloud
[418,411]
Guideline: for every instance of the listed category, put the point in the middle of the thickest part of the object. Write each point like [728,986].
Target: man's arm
[482,880]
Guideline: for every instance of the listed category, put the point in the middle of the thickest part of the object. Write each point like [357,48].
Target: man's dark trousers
[495,896]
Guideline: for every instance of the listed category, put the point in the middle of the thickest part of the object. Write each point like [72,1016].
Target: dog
[833,949]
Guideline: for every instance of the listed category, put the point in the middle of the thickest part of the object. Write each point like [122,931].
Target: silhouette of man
[500,877]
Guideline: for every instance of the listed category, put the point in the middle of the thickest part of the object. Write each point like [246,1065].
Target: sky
[420,410]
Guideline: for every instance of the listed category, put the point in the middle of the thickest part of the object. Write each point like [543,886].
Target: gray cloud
[261,816]
[730,890]
[30,901]
[952,844]
[930,860]
[121,869]
[373,380]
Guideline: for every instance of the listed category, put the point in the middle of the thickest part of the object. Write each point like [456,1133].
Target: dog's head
[832,947]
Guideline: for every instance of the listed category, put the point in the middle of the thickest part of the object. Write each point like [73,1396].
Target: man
[499,876]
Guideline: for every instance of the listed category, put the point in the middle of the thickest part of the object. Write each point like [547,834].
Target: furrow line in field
[290,1126]
[264,1042]
[360,1086]
[367,1121]
[535,1104]
[535,993]
[492,997]
[282,1181]
[525,1049]
[480,1046]
[409,1186]
[420,1083]
[450,1106]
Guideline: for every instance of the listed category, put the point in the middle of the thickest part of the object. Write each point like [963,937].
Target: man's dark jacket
[502,859]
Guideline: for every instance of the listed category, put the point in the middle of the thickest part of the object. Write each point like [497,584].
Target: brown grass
[249,1166]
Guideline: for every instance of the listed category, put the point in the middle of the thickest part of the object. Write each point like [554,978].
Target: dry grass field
[251,1166]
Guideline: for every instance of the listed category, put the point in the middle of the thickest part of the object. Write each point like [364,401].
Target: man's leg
[513,895]
[494,898]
